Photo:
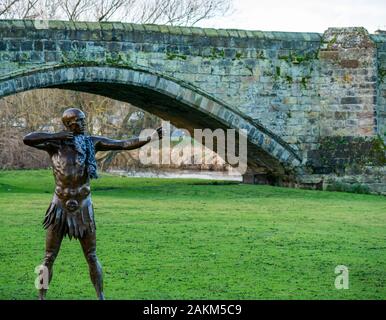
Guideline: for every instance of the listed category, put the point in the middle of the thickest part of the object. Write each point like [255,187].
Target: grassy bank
[195,239]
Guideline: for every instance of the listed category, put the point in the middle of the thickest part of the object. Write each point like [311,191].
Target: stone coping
[9,25]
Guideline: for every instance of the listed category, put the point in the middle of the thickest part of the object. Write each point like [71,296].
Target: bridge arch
[183,104]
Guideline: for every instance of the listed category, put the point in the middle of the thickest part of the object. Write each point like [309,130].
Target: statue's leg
[53,242]
[88,243]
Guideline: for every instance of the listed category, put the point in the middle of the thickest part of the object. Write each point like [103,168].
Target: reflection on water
[203,174]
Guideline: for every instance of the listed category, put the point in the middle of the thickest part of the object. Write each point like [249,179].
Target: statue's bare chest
[66,167]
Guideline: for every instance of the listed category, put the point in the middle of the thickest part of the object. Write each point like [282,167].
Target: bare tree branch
[28,12]
[173,12]
[75,9]
[7,6]
[108,8]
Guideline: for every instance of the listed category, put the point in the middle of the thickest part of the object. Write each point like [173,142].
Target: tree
[28,9]
[172,12]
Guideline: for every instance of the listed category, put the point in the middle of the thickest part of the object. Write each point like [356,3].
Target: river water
[203,174]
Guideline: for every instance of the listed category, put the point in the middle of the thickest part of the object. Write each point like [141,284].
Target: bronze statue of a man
[71,211]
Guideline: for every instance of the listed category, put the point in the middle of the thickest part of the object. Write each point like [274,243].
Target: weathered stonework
[336,154]
[296,94]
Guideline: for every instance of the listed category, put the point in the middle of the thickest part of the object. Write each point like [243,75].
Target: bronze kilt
[70,216]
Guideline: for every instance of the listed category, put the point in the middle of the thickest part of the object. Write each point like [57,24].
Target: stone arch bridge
[313,105]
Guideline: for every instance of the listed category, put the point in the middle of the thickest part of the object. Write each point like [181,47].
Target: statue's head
[74,120]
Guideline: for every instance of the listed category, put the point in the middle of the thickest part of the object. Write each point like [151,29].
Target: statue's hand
[158,133]
[63,135]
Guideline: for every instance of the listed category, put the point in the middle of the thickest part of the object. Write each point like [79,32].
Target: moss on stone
[342,153]
[56,24]
[289,79]
[163,29]
[216,53]
[277,71]
[172,56]
[296,58]
[260,55]
[152,28]
[238,55]
[382,75]
[17,24]
[331,43]
[222,33]
[210,32]
[79,25]
[117,58]
[92,26]
[304,83]
[379,150]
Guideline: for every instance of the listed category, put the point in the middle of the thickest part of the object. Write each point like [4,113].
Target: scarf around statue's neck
[86,154]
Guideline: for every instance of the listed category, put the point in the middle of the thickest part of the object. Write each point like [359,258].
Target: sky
[302,15]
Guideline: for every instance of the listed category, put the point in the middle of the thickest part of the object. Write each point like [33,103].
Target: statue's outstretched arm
[106,144]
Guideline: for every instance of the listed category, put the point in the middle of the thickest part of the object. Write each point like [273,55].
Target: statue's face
[78,125]
[75,121]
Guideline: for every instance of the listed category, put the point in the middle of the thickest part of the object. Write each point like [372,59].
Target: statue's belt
[72,199]
[72,216]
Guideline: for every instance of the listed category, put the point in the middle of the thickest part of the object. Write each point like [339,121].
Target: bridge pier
[251,178]
[257,178]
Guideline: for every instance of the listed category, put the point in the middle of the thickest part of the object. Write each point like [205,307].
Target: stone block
[350,100]
[349,63]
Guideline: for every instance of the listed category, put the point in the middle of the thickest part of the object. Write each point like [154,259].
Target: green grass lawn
[196,239]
